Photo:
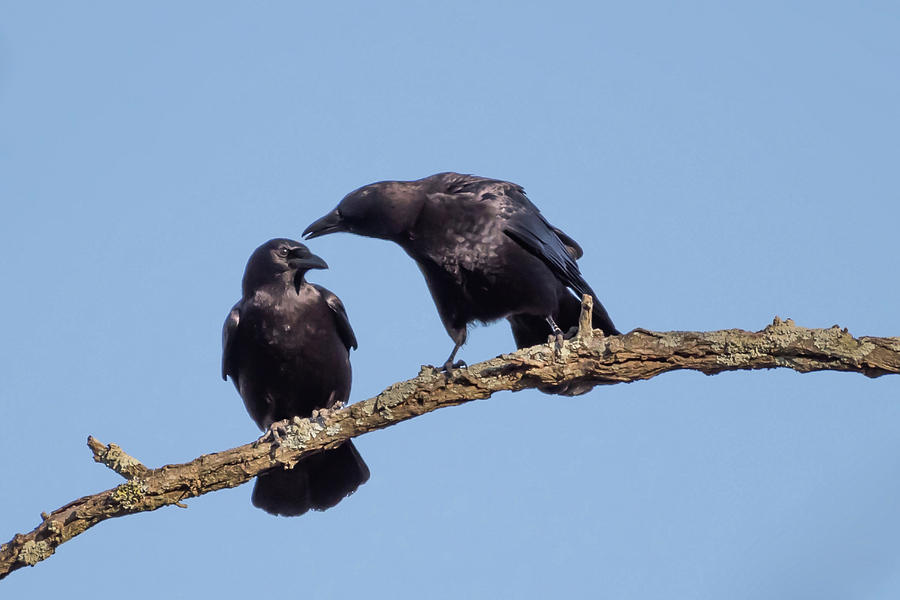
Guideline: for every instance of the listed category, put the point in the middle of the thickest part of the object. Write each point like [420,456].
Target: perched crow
[286,346]
[485,250]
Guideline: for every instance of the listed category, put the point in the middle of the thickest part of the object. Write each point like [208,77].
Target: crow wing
[345,331]
[527,227]
[524,223]
[228,337]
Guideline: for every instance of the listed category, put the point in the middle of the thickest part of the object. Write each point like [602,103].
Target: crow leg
[557,336]
[449,365]
[458,335]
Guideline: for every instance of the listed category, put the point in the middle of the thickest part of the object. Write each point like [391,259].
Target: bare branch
[585,328]
[583,362]
[115,458]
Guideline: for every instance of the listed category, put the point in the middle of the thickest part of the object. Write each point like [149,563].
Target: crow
[485,250]
[286,346]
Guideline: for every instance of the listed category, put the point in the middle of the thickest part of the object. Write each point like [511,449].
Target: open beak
[330,223]
[304,263]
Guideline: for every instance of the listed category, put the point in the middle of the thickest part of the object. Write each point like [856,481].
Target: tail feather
[317,482]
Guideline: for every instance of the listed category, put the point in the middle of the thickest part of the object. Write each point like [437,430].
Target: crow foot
[450,366]
[274,432]
[557,335]
[322,413]
[557,340]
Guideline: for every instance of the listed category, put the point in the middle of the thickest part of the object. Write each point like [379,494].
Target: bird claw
[319,414]
[274,433]
[450,366]
[557,340]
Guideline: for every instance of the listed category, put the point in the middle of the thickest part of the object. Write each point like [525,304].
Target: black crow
[485,250]
[286,346]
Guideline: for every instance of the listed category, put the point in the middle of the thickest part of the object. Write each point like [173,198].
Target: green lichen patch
[33,552]
[129,494]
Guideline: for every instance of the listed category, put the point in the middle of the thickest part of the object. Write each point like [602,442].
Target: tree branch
[115,458]
[588,360]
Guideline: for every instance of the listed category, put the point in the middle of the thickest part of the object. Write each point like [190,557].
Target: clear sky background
[720,165]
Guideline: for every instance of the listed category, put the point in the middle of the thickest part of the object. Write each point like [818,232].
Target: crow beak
[305,263]
[330,223]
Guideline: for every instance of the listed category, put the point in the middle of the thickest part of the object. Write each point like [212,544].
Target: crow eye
[283,251]
[339,213]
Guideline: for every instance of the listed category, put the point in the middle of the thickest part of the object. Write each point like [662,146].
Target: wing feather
[340,318]
[228,336]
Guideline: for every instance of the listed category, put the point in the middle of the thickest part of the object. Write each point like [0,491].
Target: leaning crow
[286,346]
[485,250]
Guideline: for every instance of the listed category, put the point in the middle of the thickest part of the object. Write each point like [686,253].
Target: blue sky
[720,165]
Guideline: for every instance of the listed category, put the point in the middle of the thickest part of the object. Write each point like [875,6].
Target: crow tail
[317,482]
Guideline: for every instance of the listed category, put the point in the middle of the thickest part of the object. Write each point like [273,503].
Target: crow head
[280,259]
[385,210]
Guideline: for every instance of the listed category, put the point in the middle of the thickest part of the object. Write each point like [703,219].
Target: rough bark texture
[588,360]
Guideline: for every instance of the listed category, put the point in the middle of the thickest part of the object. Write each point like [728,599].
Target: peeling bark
[587,360]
